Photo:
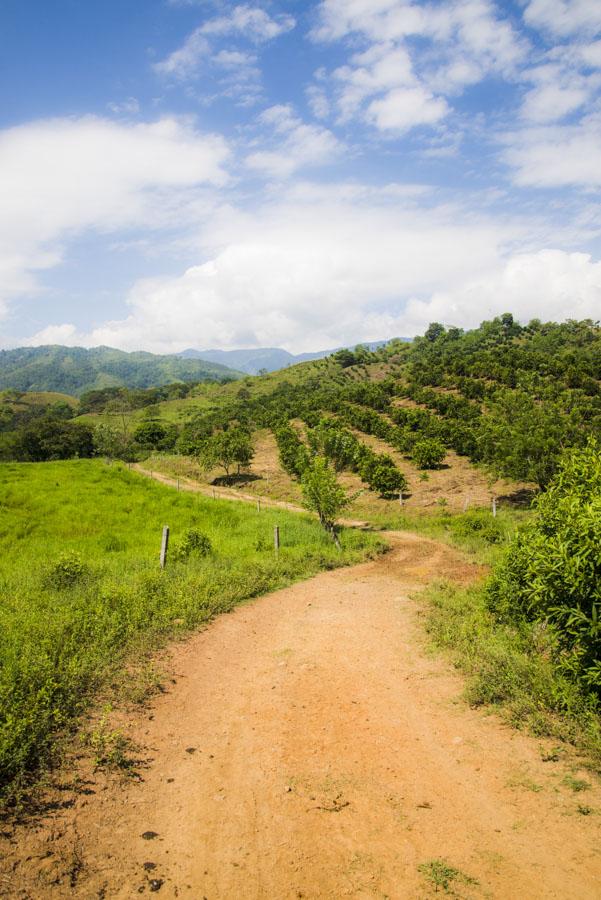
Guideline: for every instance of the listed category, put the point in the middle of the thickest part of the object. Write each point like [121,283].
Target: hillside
[269,359]
[74,370]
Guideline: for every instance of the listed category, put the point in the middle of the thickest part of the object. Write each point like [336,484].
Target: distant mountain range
[73,370]
[269,358]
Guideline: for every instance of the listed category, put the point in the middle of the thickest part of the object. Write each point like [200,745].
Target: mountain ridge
[253,360]
[74,370]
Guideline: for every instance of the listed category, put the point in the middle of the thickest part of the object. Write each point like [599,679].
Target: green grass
[441,874]
[511,669]
[81,588]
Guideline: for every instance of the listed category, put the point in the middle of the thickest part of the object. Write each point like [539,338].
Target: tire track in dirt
[311,747]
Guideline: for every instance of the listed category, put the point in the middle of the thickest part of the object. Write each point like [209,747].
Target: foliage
[49,438]
[193,543]
[59,644]
[153,435]
[74,370]
[523,438]
[322,494]
[112,443]
[66,572]
[294,456]
[513,666]
[428,453]
[552,571]
[227,449]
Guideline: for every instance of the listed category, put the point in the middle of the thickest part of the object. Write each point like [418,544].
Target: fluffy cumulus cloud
[415,56]
[320,268]
[552,285]
[61,177]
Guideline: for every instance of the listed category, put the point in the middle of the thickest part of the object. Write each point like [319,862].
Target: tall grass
[510,666]
[81,588]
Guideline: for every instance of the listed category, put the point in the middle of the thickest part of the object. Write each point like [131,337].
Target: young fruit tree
[226,449]
[323,495]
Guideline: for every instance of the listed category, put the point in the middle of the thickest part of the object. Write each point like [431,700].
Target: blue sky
[190,173]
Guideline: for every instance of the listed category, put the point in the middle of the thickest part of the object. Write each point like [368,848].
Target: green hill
[74,370]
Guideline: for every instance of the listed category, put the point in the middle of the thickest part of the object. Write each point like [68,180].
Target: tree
[323,495]
[387,480]
[428,453]
[50,438]
[522,438]
[227,449]
[551,572]
[111,443]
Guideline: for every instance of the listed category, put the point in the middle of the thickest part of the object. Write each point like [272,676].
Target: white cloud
[564,18]
[405,108]
[556,156]
[185,61]
[551,285]
[397,82]
[314,268]
[251,22]
[62,176]
[296,145]
[243,21]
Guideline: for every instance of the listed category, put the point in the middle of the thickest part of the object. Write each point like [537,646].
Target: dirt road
[310,747]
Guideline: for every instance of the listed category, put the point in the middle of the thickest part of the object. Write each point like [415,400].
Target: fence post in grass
[213,493]
[164,546]
[276,539]
[494,507]
[400,498]
[466,503]
[178,484]
[259,505]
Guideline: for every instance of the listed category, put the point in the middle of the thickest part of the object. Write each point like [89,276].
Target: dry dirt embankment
[310,747]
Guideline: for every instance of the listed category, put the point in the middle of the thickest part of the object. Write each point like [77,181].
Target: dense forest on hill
[73,370]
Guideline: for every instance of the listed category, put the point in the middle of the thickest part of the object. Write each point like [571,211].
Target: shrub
[428,453]
[66,572]
[552,570]
[193,543]
[479,522]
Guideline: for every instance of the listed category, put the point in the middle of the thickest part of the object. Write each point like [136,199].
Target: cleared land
[308,746]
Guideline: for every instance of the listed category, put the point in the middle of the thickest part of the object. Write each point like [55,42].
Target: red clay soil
[310,747]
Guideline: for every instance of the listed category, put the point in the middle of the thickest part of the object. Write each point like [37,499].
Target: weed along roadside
[83,596]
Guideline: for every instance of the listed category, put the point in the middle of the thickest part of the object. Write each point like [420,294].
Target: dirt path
[309,747]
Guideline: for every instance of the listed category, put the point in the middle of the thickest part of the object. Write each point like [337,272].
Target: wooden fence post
[400,498]
[259,505]
[494,507]
[276,539]
[164,546]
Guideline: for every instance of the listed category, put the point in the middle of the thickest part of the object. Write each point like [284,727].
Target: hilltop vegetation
[81,584]
[74,370]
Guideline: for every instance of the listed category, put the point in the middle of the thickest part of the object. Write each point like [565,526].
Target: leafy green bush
[428,453]
[552,570]
[66,572]
[194,542]
[479,522]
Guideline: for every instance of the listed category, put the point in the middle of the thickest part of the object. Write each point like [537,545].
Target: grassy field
[82,589]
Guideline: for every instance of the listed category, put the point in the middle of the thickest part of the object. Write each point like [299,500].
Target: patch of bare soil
[310,747]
